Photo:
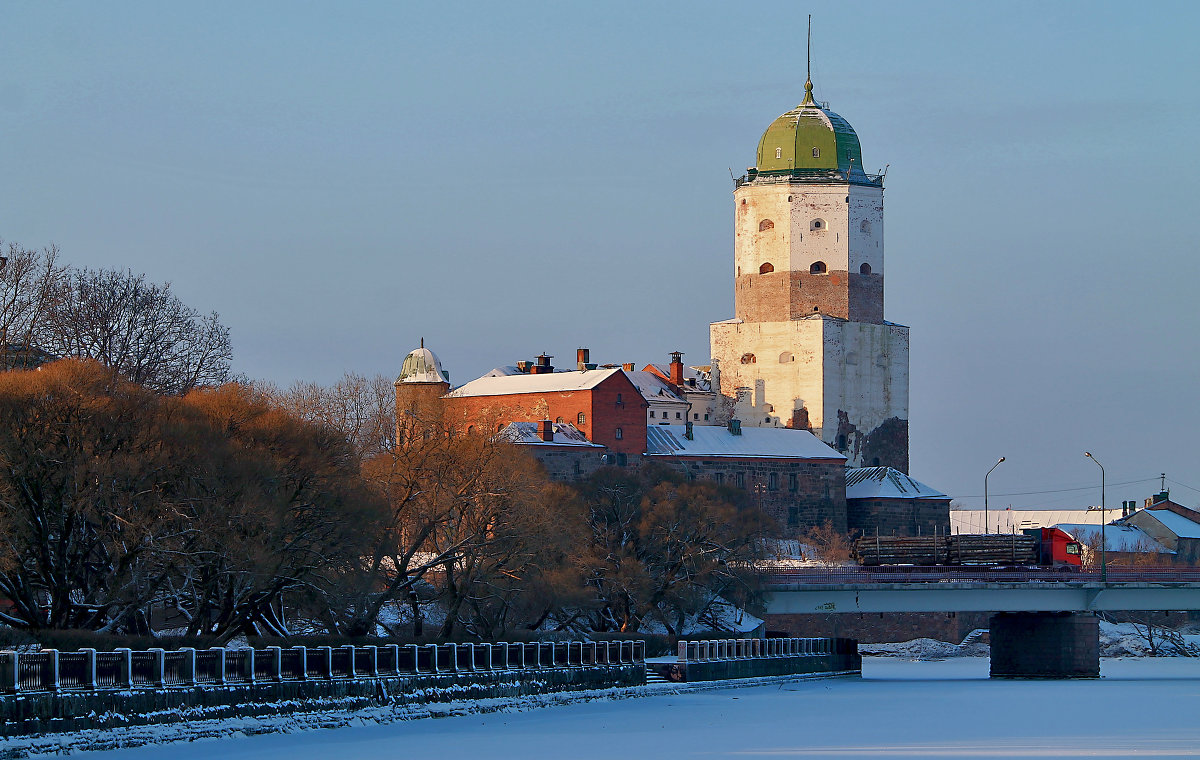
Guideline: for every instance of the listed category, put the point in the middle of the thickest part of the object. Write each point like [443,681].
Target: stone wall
[878,628]
[49,712]
[898,517]
[797,493]
[567,464]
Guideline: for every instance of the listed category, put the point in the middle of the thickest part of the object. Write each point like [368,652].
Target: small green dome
[809,137]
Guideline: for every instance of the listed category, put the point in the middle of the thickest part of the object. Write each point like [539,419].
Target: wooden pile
[993,549]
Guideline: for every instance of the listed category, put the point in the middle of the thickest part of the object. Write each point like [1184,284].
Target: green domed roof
[809,137]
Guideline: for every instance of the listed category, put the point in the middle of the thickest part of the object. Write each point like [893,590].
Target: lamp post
[985,495]
[1103,519]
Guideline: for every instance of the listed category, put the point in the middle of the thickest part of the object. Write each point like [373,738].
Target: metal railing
[87,669]
[748,649]
[943,574]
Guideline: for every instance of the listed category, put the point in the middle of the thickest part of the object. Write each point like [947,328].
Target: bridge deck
[982,590]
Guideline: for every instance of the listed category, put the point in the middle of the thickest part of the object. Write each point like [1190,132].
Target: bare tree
[363,408]
[28,279]
[135,327]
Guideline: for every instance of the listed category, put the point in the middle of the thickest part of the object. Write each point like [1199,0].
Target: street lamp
[1103,519]
[985,495]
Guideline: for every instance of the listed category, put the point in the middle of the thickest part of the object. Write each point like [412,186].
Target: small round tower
[419,390]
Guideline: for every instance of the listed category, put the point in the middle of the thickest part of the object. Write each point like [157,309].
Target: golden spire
[808,96]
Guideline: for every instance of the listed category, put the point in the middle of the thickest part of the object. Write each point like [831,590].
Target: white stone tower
[808,346]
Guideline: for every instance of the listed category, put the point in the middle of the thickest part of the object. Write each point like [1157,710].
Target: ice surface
[900,709]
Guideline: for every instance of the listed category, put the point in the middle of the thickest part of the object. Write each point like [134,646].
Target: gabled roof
[716,441]
[549,382]
[526,434]
[1176,523]
[886,483]
[654,388]
[1117,538]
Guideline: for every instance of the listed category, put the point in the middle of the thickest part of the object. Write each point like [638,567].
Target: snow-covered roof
[886,483]
[654,388]
[1002,520]
[422,366]
[1176,523]
[1117,538]
[716,441]
[549,382]
[526,434]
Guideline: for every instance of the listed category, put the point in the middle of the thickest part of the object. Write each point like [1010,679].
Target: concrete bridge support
[1045,645]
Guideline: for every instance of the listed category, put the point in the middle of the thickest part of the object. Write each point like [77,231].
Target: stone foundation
[1045,645]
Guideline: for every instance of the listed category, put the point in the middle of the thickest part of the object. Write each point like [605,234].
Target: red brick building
[601,403]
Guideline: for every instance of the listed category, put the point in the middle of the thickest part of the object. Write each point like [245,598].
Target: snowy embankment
[899,709]
[1116,640]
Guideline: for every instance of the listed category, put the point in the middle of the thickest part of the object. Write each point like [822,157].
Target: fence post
[218,665]
[89,668]
[158,666]
[9,682]
[302,656]
[189,666]
[125,668]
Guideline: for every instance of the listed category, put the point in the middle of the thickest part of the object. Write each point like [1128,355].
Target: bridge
[1045,624]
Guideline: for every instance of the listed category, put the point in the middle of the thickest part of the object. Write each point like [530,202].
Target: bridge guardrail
[937,574]
[87,669]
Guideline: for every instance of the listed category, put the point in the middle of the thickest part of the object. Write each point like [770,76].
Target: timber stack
[988,549]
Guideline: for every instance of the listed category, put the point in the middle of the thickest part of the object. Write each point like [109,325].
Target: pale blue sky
[340,179]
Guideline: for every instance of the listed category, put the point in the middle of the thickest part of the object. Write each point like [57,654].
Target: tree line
[142,490]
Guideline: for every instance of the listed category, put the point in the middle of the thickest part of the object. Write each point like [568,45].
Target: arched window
[816,152]
[618,434]
[816,224]
[779,153]
[818,267]
[766,224]
[864,269]
[748,359]
[581,419]
[865,227]
[786,357]
[766,269]
[560,420]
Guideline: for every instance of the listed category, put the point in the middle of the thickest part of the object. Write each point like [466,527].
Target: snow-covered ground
[1116,640]
[900,709]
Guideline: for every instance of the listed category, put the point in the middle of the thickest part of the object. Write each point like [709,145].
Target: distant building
[1174,526]
[565,452]
[884,501]
[22,356]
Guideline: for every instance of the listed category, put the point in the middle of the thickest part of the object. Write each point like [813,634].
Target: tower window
[748,359]
[618,434]
[864,269]
[816,224]
[816,152]
[581,419]
[766,224]
[786,357]
[818,267]
[865,227]
[779,153]
[766,268]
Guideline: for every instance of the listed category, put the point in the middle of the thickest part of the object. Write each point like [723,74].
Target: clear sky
[340,179]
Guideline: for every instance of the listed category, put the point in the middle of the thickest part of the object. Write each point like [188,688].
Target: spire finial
[808,96]
[422,342]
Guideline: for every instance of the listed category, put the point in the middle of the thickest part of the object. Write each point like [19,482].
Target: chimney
[627,367]
[687,430]
[546,431]
[735,426]
[677,369]
[583,357]
[524,366]
[543,365]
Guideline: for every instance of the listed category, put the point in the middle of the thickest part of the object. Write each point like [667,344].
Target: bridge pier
[1045,645]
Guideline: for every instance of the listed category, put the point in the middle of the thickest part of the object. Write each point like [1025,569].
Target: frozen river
[900,709]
